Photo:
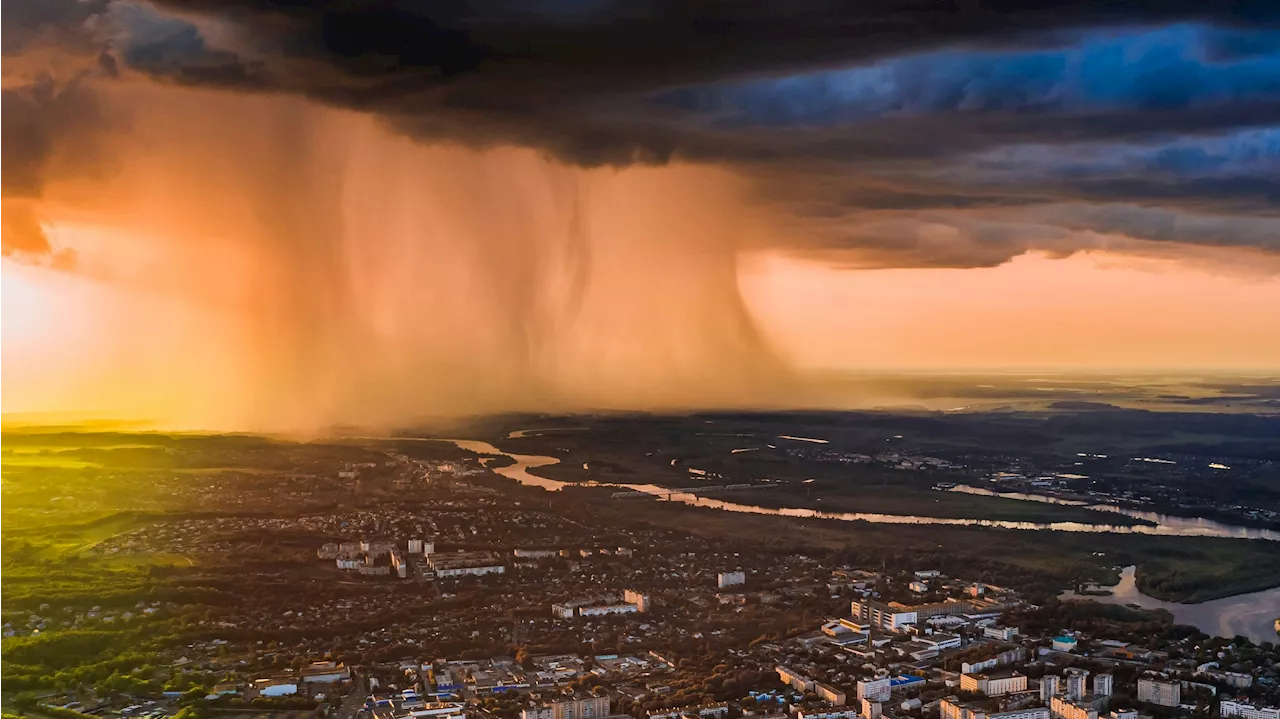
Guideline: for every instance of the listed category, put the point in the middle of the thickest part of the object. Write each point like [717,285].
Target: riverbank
[1251,615]
[930,503]
[1208,567]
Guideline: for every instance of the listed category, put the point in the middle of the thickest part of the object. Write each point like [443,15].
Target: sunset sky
[260,214]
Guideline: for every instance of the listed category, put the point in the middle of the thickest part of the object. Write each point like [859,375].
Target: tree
[523,659]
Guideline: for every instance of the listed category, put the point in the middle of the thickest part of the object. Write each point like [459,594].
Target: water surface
[1251,615]
[1164,525]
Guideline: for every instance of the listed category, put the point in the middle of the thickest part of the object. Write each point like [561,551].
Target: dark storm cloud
[845,112]
[51,48]
[613,82]
[68,23]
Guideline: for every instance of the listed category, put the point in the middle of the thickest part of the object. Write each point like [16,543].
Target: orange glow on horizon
[303,267]
[1090,311]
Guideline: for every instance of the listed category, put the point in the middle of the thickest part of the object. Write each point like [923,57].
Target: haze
[206,224]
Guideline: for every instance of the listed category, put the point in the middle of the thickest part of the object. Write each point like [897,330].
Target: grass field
[1207,568]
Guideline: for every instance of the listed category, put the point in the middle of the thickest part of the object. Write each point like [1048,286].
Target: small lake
[1164,525]
[1251,615]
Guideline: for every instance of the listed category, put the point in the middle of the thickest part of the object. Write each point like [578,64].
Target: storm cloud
[864,122]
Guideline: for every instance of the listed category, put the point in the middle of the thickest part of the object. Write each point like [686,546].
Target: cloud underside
[901,133]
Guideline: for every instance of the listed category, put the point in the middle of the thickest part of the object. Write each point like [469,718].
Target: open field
[1208,568]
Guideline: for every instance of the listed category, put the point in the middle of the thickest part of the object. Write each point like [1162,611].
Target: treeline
[1168,581]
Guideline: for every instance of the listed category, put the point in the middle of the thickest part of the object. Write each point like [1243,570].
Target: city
[401,578]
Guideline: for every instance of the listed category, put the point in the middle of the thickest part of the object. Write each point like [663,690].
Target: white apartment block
[833,714]
[1230,708]
[603,609]
[1102,685]
[729,579]
[1077,683]
[876,690]
[1162,693]
[1049,687]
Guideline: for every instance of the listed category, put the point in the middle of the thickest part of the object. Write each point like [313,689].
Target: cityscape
[640,359]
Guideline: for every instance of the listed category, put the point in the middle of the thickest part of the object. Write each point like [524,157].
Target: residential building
[918,587]
[1238,680]
[1008,656]
[641,601]
[1063,708]
[729,579]
[870,709]
[1077,683]
[829,693]
[796,680]
[1159,692]
[603,609]
[703,711]
[1102,685]
[953,708]
[994,685]
[534,553]
[1049,687]
[1229,708]
[828,714]
[877,690]
[459,564]
[587,707]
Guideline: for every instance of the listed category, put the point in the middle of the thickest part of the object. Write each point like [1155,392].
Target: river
[1251,615]
[1180,526]
[1164,525]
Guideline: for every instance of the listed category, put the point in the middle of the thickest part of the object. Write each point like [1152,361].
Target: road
[355,700]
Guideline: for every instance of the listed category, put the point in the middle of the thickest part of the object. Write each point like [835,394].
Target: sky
[260,214]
